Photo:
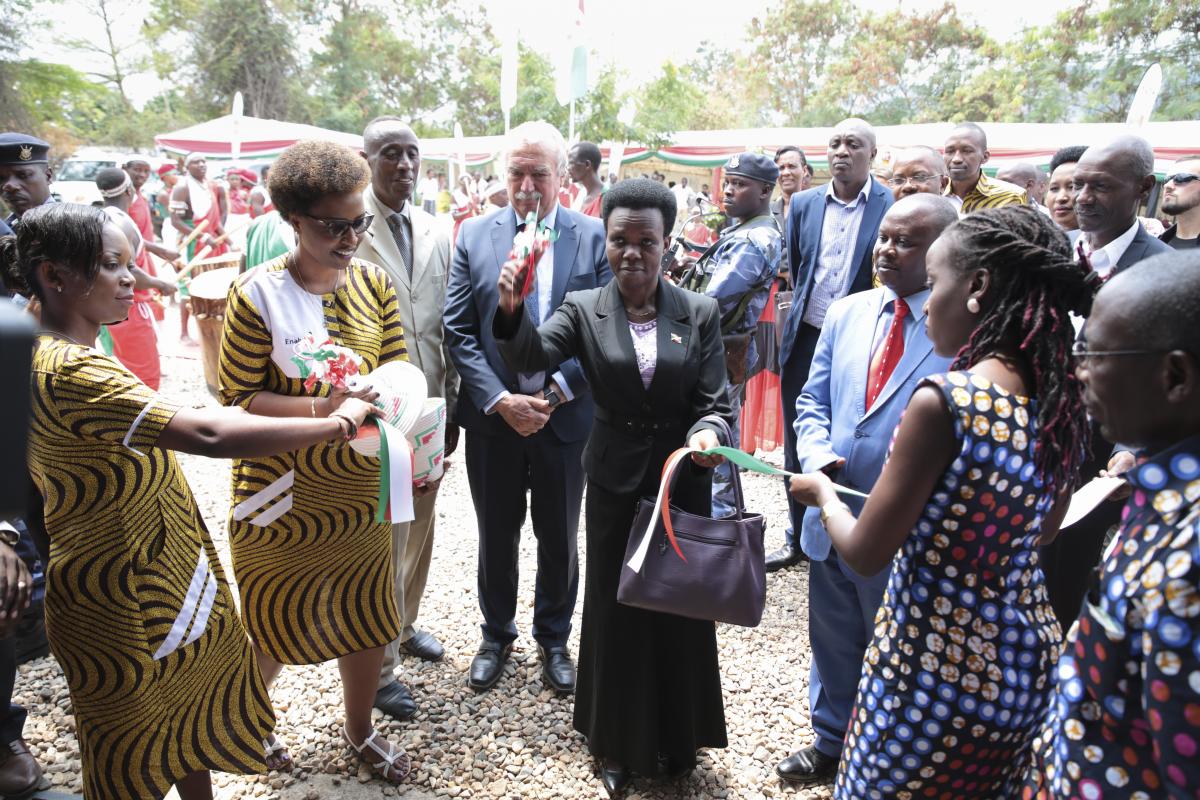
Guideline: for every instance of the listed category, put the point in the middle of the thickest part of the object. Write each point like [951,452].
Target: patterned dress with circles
[957,673]
[162,677]
[313,566]
[1124,720]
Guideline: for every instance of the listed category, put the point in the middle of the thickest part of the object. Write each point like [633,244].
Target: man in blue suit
[830,232]
[871,354]
[524,431]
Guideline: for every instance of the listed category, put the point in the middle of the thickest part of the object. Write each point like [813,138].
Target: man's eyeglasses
[899,180]
[1080,352]
[1182,178]
[336,228]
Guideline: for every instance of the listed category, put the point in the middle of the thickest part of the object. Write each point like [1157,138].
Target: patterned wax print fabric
[957,675]
[313,566]
[163,680]
[1125,715]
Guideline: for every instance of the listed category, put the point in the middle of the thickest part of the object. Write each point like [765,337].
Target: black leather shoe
[20,775]
[786,556]
[557,669]
[672,770]
[488,665]
[807,766]
[396,701]
[615,777]
[423,646]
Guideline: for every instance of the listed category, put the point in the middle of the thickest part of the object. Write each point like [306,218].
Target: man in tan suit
[415,251]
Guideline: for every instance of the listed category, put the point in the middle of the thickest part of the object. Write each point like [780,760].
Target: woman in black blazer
[649,688]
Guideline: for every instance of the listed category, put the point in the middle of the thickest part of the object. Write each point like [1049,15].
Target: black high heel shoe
[614,776]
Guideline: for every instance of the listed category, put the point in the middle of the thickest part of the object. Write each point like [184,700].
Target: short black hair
[975,129]
[791,148]
[110,178]
[310,170]
[1067,155]
[1160,295]
[589,152]
[640,193]
[69,234]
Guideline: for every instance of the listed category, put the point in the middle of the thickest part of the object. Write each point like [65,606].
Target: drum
[213,263]
[209,292]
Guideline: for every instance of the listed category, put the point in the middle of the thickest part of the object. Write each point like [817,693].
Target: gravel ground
[515,741]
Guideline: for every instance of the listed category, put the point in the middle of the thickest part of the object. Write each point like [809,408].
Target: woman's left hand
[811,489]
[705,439]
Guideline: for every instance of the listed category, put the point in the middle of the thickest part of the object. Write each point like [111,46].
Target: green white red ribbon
[662,503]
[395,476]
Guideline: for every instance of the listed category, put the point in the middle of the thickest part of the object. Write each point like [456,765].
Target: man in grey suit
[415,252]
[1112,180]
[524,431]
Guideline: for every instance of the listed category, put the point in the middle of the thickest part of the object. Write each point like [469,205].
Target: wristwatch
[551,397]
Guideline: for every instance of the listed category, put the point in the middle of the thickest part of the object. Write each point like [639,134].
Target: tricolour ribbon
[662,503]
[395,476]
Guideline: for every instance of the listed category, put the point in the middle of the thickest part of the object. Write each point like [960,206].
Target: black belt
[638,426]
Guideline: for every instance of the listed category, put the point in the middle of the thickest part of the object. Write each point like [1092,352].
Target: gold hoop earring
[972,305]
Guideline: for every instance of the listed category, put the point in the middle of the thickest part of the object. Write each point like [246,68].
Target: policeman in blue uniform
[25,175]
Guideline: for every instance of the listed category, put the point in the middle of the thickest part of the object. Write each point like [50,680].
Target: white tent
[256,139]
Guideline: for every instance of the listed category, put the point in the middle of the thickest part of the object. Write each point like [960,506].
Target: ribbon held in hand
[662,503]
[325,362]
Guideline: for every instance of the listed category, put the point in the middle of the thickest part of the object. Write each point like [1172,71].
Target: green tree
[229,46]
[904,66]
[795,43]
[668,104]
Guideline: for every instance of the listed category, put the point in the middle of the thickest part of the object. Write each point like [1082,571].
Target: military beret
[20,148]
[754,166]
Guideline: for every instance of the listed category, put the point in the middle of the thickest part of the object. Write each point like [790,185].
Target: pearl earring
[58,289]
[972,305]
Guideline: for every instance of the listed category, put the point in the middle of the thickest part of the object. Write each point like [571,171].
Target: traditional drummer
[196,198]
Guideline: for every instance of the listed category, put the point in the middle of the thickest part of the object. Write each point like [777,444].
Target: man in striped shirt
[965,153]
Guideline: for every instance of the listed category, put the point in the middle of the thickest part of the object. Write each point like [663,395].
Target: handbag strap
[727,435]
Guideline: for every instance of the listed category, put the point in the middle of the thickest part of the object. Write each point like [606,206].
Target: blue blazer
[471,297]
[806,217]
[831,419]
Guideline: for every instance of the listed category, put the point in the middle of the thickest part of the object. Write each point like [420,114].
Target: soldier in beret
[24,175]
[737,272]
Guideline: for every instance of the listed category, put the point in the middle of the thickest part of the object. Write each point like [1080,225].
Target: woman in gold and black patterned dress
[163,681]
[313,566]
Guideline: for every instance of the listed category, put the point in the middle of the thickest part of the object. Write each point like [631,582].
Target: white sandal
[272,747]
[393,764]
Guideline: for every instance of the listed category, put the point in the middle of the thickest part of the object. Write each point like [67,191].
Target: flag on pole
[508,70]
[572,82]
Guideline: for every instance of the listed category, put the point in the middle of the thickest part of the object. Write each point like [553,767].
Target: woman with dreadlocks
[957,675]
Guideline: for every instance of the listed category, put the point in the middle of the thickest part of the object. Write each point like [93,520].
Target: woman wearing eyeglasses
[313,566]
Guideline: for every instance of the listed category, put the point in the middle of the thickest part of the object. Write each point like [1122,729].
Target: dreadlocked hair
[1035,284]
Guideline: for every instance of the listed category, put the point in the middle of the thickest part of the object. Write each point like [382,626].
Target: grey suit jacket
[423,296]
[1142,247]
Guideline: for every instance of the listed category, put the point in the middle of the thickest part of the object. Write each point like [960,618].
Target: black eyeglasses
[1079,351]
[336,228]
[1181,178]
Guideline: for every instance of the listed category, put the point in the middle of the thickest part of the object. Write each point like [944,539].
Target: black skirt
[649,684]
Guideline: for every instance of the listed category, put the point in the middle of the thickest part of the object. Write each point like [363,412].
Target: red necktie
[888,355]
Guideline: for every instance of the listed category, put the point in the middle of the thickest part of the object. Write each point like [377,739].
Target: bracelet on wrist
[831,508]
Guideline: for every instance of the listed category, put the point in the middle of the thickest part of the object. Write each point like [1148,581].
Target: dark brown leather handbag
[702,568]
